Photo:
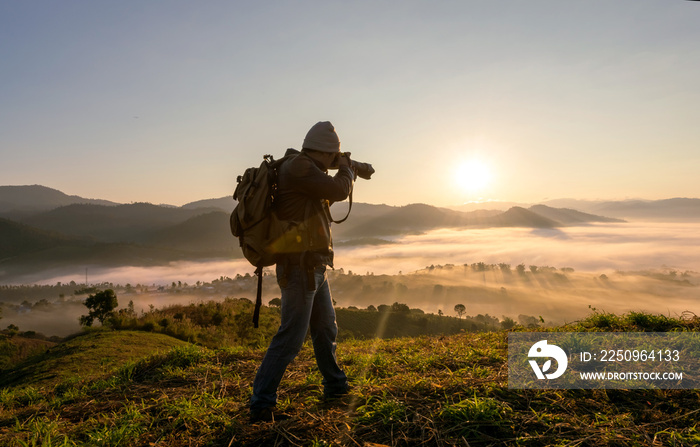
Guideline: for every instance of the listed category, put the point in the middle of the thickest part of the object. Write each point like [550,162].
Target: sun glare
[473,176]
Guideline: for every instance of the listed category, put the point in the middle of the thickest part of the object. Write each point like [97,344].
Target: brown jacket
[304,194]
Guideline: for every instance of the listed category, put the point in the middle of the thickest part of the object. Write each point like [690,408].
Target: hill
[569,216]
[419,217]
[21,201]
[521,217]
[225,204]
[17,239]
[655,210]
[122,223]
[87,357]
[667,209]
[14,349]
[431,391]
[135,234]
[208,233]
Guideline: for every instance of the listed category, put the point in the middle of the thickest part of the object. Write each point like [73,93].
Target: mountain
[55,229]
[637,209]
[667,209]
[134,222]
[569,216]
[208,233]
[135,234]
[488,205]
[21,201]
[417,218]
[17,239]
[360,211]
[521,217]
[406,219]
[224,203]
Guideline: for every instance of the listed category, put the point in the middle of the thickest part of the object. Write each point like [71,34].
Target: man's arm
[319,185]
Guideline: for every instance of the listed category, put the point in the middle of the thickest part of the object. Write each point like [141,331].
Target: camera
[363,170]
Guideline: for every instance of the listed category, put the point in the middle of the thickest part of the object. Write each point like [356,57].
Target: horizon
[450,101]
[457,205]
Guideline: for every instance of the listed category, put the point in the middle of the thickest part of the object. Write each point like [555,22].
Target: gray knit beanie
[322,137]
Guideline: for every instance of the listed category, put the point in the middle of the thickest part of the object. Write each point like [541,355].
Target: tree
[400,308]
[100,306]
[460,309]
[505,268]
[275,302]
[12,330]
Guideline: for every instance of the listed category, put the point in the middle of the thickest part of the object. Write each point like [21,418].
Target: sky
[451,101]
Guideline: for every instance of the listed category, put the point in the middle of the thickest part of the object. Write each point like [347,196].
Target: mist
[611,267]
[592,248]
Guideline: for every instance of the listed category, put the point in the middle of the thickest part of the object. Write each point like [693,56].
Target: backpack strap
[258,298]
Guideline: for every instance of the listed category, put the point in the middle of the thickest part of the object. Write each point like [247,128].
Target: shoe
[336,394]
[269,414]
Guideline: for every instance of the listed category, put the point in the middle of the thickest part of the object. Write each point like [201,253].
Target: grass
[432,391]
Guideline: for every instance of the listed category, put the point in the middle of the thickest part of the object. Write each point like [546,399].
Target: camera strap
[328,210]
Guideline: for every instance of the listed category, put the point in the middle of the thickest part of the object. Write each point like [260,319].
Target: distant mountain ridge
[17,238]
[659,210]
[677,208]
[21,201]
[569,216]
[45,225]
[118,223]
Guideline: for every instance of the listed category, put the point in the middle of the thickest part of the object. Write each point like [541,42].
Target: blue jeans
[303,308]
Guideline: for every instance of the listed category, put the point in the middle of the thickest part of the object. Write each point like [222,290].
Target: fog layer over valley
[593,248]
[555,273]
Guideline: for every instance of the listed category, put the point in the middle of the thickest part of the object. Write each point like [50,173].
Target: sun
[473,176]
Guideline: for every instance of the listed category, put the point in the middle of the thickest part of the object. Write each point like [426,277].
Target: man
[305,190]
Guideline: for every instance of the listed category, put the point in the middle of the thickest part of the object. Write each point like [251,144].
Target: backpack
[253,220]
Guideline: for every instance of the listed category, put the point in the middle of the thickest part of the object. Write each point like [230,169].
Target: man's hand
[343,161]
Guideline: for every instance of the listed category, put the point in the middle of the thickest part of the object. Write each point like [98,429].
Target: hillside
[17,239]
[87,357]
[418,218]
[208,233]
[122,223]
[225,204]
[569,216]
[676,208]
[21,201]
[431,391]
[14,349]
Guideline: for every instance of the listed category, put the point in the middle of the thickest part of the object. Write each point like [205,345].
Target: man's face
[327,159]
